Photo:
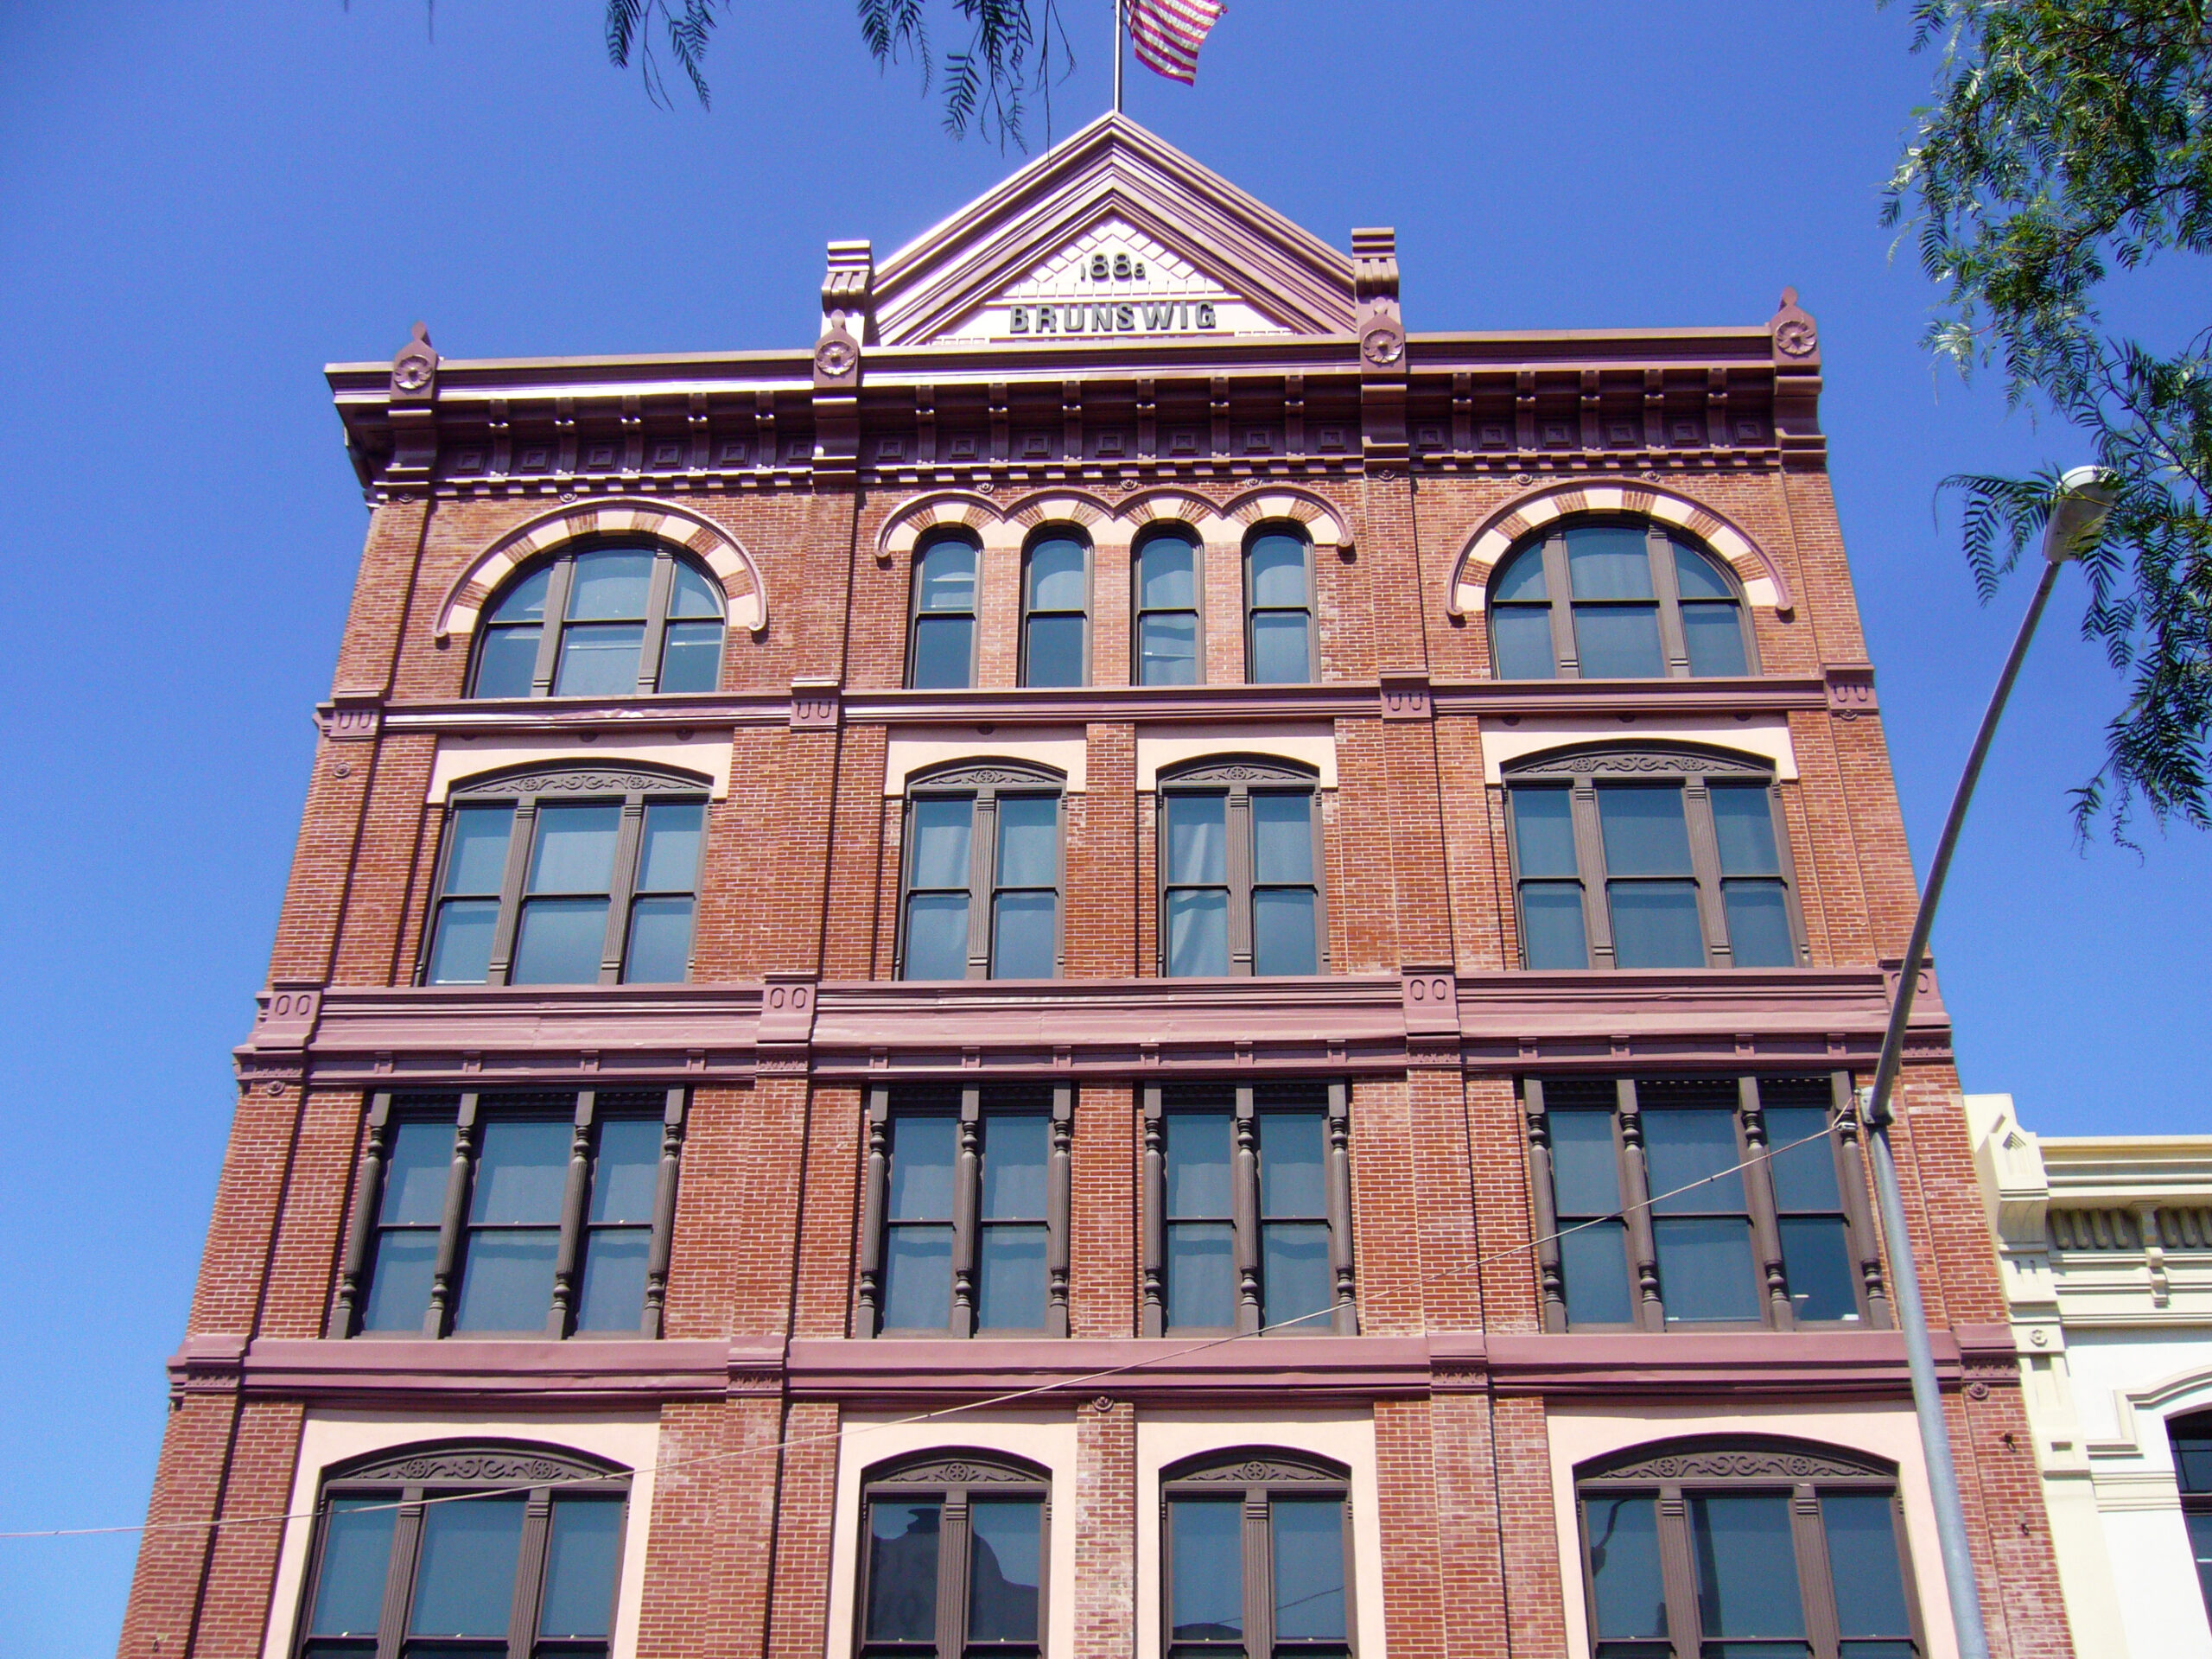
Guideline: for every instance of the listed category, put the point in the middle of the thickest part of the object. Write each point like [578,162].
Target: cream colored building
[2105,1248]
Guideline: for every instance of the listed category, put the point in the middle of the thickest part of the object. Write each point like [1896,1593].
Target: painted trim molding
[1107,524]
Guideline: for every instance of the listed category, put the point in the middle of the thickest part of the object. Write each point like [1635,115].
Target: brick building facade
[1120,964]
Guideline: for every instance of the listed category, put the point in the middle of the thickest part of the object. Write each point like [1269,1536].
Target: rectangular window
[1239,864]
[523,1215]
[1255,1558]
[1056,613]
[1550,888]
[1279,609]
[983,878]
[1694,1203]
[1248,1201]
[943,652]
[1168,626]
[953,1562]
[966,1229]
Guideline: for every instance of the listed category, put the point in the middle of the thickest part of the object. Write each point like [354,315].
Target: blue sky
[201,205]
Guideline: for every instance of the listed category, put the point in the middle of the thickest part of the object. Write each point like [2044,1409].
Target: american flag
[1168,34]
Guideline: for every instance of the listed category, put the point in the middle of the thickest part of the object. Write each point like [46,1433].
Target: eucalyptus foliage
[2069,144]
[987,83]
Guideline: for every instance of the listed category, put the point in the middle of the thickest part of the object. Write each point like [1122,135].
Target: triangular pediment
[1111,234]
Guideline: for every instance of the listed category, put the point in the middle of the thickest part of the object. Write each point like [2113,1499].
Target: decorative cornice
[1736,1458]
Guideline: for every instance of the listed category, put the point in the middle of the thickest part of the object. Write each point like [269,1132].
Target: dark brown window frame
[2195,1499]
[1244,1103]
[1659,543]
[633,788]
[407,1476]
[1863,1243]
[1312,609]
[1057,532]
[1254,1476]
[658,594]
[1674,1470]
[984,783]
[1239,777]
[387,1110]
[1172,531]
[1693,771]
[970,1107]
[969,539]
[953,1477]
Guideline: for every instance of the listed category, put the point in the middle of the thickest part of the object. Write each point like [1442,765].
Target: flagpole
[1117,56]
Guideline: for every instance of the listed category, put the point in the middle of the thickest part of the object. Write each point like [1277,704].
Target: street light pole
[2075,518]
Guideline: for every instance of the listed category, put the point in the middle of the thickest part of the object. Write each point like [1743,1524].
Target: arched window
[943,651]
[1617,599]
[467,1551]
[603,620]
[1639,858]
[1240,870]
[981,888]
[2192,1443]
[1056,610]
[1257,1556]
[953,1552]
[1170,623]
[1752,1547]
[573,876]
[1279,607]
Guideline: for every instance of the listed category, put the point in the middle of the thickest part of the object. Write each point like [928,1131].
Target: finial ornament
[415,370]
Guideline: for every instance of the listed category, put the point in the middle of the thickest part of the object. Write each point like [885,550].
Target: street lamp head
[2085,496]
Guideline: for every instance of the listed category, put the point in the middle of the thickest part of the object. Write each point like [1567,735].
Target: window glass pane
[1645,831]
[610,583]
[1206,1554]
[1585,1173]
[936,936]
[922,1152]
[941,829]
[1295,1276]
[415,1176]
[1596,1271]
[1552,930]
[1284,937]
[1523,635]
[477,861]
[1758,924]
[506,1283]
[1705,1268]
[1619,642]
[1715,639]
[1029,841]
[660,943]
[1816,1262]
[356,1554]
[1309,1562]
[521,1171]
[1023,926]
[1746,1567]
[1697,577]
[1277,564]
[1056,575]
[1197,1163]
[2200,1545]
[576,848]
[1804,1175]
[599,660]
[559,942]
[613,1294]
[1522,578]
[1197,934]
[2192,1444]
[1201,1275]
[691,656]
[1609,561]
[1167,650]
[1197,838]
[1543,831]
[625,1173]
[668,853]
[1290,1164]
[917,1278]
[1010,1270]
[1167,574]
[1054,655]
[583,1542]
[902,1570]
[943,649]
[1686,1145]
[1014,1165]
[1625,1574]
[1743,824]
[948,578]
[465,1578]
[693,595]
[1279,649]
[507,662]
[399,1294]
[1005,1569]
[525,600]
[1282,837]
[460,951]
[1655,924]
